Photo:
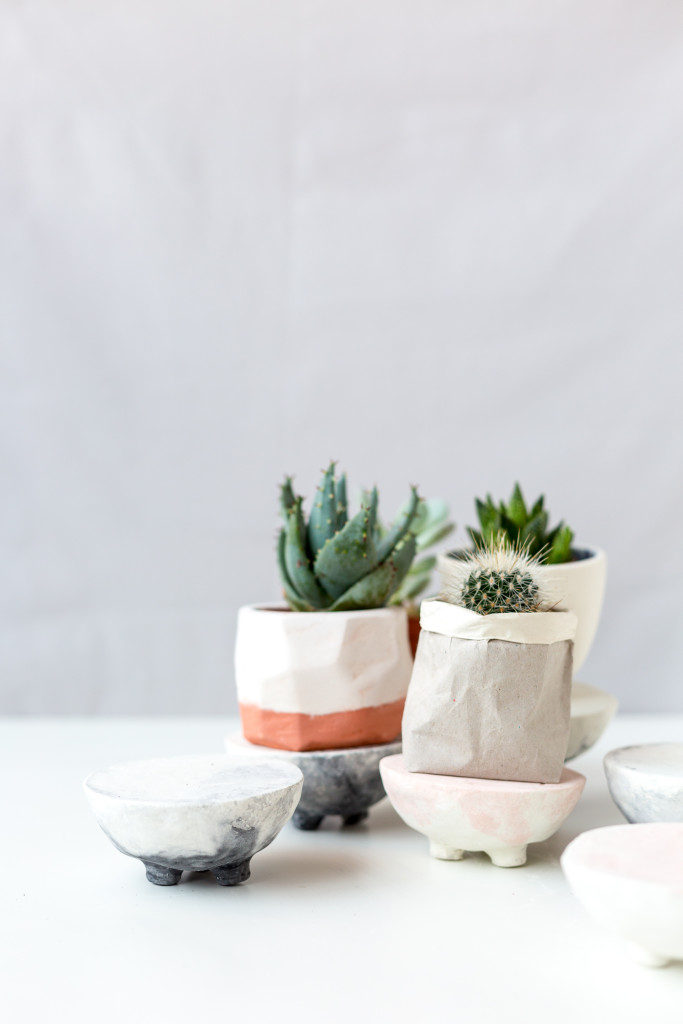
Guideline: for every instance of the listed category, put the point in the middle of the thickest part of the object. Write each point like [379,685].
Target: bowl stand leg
[157,874]
[443,852]
[510,857]
[232,874]
[355,819]
[305,821]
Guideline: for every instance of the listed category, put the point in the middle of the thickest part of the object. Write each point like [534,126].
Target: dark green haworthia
[522,527]
[334,562]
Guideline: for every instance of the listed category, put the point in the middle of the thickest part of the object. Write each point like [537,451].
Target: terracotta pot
[321,680]
[579,586]
[413,631]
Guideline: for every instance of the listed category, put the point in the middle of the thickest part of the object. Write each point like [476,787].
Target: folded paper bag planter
[489,696]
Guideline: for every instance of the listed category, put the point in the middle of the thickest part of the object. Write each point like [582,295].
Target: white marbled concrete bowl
[202,813]
[480,815]
[591,712]
[646,781]
[630,879]
[336,782]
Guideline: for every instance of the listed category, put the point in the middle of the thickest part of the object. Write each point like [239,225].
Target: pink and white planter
[479,815]
[321,680]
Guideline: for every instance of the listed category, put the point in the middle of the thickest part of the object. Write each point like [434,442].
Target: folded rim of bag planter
[489,696]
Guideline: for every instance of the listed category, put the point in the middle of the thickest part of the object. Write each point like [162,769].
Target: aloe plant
[335,563]
[430,525]
[524,527]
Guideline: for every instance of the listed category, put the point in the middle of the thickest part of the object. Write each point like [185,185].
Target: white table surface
[351,925]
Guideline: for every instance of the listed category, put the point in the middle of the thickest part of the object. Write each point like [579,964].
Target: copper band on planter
[290,731]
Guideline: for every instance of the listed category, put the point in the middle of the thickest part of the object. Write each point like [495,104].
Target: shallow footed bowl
[498,818]
[194,813]
[630,880]
[646,781]
[342,782]
[591,712]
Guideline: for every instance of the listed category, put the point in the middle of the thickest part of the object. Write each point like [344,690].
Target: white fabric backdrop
[439,240]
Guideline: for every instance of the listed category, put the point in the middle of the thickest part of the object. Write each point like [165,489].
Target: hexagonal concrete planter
[321,680]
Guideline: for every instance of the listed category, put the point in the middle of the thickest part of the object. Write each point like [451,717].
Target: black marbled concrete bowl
[198,813]
[336,782]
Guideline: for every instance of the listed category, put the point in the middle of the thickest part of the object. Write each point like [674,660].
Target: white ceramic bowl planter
[630,879]
[321,680]
[591,712]
[336,782]
[199,813]
[479,815]
[579,586]
[646,782]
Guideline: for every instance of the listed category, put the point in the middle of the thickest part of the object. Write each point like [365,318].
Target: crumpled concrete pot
[321,680]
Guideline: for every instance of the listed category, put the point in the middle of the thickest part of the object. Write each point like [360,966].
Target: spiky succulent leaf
[538,507]
[532,535]
[342,503]
[297,562]
[322,523]
[402,558]
[489,516]
[287,497]
[516,507]
[294,599]
[375,589]
[561,548]
[413,585]
[521,527]
[372,591]
[433,534]
[350,554]
[399,527]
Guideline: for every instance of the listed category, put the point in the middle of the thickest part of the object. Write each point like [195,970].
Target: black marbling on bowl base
[343,783]
[229,874]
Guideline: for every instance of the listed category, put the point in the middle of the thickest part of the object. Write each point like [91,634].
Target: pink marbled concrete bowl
[479,815]
[630,880]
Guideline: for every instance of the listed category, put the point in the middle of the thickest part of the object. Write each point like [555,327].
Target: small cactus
[496,579]
[525,528]
[333,563]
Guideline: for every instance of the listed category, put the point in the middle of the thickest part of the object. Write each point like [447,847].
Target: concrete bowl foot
[232,874]
[306,822]
[443,852]
[511,857]
[157,874]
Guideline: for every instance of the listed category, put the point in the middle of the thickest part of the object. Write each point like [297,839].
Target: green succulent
[430,525]
[487,591]
[497,578]
[524,528]
[333,563]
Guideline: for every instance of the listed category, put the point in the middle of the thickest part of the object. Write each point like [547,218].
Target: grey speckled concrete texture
[646,781]
[336,782]
[202,813]
[591,712]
